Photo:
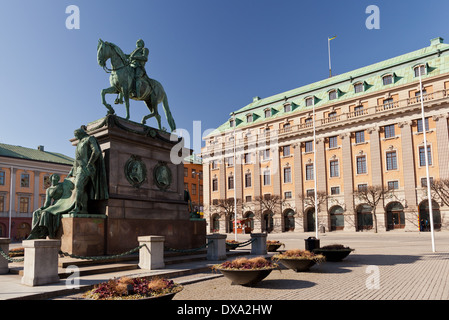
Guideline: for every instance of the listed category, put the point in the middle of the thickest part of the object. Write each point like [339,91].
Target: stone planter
[334,255]
[298,265]
[273,246]
[245,277]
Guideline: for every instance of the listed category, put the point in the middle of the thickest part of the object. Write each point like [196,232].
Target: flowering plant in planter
[246,264]
[334,252]
[244,271]
[273,245]
[298,260]
[126,288]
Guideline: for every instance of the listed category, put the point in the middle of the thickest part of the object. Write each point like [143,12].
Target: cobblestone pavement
[384,266]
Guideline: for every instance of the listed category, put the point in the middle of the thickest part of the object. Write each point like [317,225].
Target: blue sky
[211,56]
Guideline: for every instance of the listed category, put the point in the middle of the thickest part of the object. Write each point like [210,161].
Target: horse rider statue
[137,60]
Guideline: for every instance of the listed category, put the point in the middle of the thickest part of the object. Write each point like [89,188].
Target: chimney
[436,41]
[40,148]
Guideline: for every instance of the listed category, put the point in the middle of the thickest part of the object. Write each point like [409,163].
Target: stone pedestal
[151,255]
[4,246]
[83,235]
[41,262]
[146,187]
[259,245]
[216,250]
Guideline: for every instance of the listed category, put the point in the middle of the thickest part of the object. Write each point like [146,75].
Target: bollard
[4,246]
[216,250]
[259,245]
[151,255]
[40,261]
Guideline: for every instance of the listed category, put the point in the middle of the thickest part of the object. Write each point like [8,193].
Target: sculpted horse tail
[168,115]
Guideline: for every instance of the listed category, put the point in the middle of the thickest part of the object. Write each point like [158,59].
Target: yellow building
[24,177]
[368,132]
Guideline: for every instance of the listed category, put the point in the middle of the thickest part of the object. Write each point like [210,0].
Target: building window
[362,187]
[193,188]
[230,161]
[422,159]
[420,126]
[186,186]
[25,180]
[309,146]
[389,131]
[334,170]
[2,178]
[358,111]
[418,68]
[193,173]
[231,182]
[332,116]
[214,184]
[392,163]
[287,195]
[248,198]
[286,151]
[360,137]
[361,164]
[333,142]
[266,154]
[287,127]
[333,95]
[266,177]
[247,157]
[388,79]
[308,122]
[214,164]
[310,193]
[309,101]
[393,185]
[249,118]
[231,123]
[267,113]
[287,108]
[358,87]
[186,172]
[2,204]
[247,180]
[24,203]
[287,175]
[335,190]
[309,171]
[424,182]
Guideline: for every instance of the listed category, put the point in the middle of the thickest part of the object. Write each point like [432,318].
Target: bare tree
[372,195]
[227,205]
[440,190]
[308,200]
[269,203]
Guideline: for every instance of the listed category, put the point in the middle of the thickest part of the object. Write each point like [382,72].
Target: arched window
[289,220]
[337,218]
[395,216]
[419,68]
[424,217]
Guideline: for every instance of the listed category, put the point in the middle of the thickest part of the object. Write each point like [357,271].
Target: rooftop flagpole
[314,171]
[235,193]
[426,156]
[329,52]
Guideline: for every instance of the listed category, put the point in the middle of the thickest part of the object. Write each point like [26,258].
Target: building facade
[356,130]
[193,181]
[24,177]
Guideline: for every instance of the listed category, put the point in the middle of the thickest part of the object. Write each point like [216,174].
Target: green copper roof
[435,57]
[19,152]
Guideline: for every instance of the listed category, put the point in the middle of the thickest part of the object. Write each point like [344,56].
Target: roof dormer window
[421,68]
[267,113]
[387,79]
[333,95]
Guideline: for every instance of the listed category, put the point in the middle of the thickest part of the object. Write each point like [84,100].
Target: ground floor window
[337,218]
[364,217]
[267,222]
[215,223]
[289,220]
[424,218]
[310,214]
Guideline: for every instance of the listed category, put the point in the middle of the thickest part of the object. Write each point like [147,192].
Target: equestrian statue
[129,80]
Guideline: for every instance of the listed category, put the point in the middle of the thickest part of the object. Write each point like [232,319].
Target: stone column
[442,145]
[408,164]
[40,261]
[321,182]
[277,181]
[376,168]
[259,245]
[257,191]
[151,255]
[4,247]
[348,182]
[297,171]
[36,197]
[216,250]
